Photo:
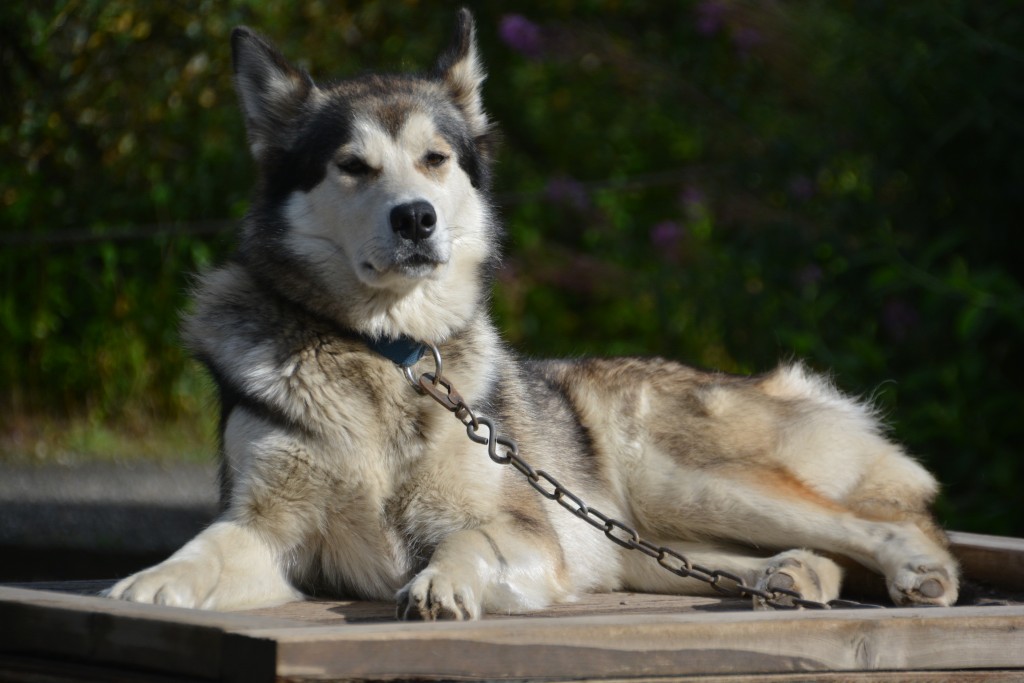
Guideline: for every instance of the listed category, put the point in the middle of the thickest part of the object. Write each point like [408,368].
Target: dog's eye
[354,166]
[435,159]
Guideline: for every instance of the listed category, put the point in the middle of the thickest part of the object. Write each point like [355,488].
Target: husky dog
[372,230]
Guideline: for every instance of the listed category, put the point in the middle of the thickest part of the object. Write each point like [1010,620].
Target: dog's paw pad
[922,583]
[931,589]
[780,581]
[775,580]
[813,577]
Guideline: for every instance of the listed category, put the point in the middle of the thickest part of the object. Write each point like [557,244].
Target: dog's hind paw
[924,583]
[812,576]
[433,596]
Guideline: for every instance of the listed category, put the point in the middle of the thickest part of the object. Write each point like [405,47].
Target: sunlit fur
[338,478]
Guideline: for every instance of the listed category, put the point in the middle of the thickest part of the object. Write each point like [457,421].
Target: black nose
[414,221]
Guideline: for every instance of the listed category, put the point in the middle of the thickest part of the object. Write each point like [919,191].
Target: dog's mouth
[413,264]
[419,260]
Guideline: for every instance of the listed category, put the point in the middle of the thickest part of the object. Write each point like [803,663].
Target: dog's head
[372,204]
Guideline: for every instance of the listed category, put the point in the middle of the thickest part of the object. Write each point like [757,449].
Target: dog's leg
[813,576]
[227,566]
[243,560]
[917,569]
[906,548]
[774,510]
[498,567]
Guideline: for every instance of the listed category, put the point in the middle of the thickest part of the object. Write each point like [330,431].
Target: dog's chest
[399,481]
[392,502]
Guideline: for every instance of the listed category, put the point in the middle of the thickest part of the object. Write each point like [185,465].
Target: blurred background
[724,182]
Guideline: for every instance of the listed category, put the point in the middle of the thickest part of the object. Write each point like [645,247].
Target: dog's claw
[430,597]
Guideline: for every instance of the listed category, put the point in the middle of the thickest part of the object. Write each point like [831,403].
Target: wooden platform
[57,632]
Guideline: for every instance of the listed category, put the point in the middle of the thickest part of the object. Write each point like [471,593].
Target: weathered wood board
[46,635]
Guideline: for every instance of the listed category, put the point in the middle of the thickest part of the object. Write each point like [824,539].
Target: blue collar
[402,351]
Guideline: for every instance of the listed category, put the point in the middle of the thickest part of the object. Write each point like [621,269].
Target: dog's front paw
[812,576]
[433,595]
[226,567]
[175,583]
[924,582]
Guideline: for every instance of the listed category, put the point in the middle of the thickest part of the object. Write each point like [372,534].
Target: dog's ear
[459,68]
[270,90]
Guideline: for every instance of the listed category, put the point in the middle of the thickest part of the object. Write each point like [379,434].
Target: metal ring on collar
[411,376]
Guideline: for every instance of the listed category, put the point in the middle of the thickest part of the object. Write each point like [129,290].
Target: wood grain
[994,560]
[661,645]
[147,638]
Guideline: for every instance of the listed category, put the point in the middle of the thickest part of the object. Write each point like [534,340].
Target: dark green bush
[727,183]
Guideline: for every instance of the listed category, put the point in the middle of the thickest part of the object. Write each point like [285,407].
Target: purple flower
[521,34]
[569,191]
[801,188]
[666,236]
[709,17]
[809,275]
[746,39]
[899,318]
[691,197]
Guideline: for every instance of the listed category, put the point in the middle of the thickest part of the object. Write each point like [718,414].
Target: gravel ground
[98,518]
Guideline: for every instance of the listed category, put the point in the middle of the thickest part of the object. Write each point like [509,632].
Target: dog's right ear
[271,90]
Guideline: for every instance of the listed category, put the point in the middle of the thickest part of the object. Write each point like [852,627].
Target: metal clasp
[431,385]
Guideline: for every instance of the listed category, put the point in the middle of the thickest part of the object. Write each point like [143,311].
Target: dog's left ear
[271,90]
[459,68]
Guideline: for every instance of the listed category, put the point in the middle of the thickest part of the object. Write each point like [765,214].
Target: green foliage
[725,182]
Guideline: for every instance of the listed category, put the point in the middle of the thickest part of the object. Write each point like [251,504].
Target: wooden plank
[151,638]
[253,647]
[955,676]
[994,560]
[659,645]
[90,587]
[600,637]
[37,670]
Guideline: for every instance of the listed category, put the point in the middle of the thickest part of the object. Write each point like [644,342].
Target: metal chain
[731,585]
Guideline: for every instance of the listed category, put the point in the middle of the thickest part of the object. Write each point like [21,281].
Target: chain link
[620,533]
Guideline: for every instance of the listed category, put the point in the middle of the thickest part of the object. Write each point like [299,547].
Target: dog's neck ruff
[402,351]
